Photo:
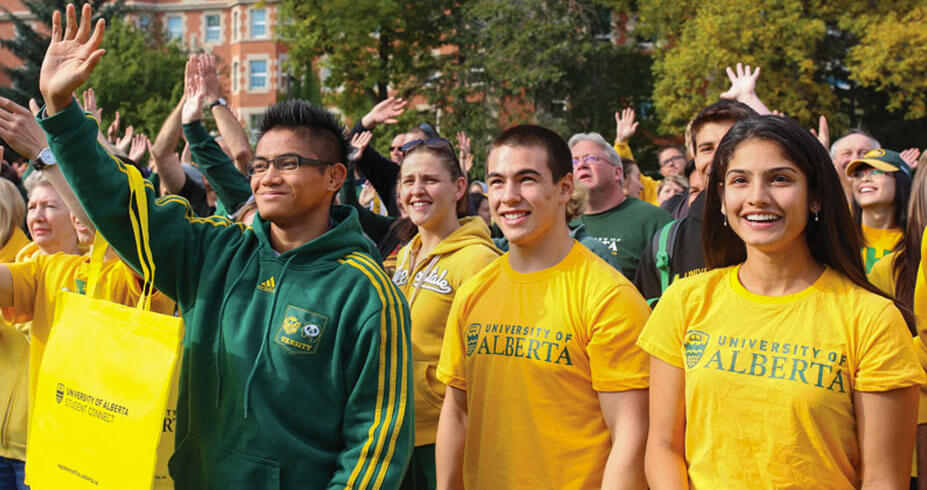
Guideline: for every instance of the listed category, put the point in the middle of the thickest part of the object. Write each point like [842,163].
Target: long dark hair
[900,203]
[833,239]
[908,251]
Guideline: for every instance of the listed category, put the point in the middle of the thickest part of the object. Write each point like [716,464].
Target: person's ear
[336,173]
[566,186]
[460,188]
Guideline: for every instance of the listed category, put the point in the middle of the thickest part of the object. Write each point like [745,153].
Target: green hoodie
[297,368]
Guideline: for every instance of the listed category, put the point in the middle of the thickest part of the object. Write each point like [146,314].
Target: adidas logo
[268,285]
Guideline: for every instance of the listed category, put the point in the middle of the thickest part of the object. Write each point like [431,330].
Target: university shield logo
[695,343]
[473,337]
[301,330]
[59,392]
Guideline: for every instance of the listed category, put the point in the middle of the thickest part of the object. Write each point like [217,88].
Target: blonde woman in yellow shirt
[448,249]
[14,351]
[782,367]
[881,183]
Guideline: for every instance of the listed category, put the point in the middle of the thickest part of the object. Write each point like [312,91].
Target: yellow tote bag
[103,384]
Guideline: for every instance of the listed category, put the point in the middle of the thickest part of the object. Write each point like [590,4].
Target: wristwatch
[44,159]
[219,101]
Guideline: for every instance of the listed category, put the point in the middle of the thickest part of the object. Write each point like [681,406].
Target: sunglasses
[440,144]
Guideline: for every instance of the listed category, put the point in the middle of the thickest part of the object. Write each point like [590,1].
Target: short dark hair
[626,164]
[832,239]
[559,157]
[323,131]
[723,110]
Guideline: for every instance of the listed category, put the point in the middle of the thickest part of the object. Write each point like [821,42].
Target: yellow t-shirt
[532,351]
[879,243]
[36,284]
[17,241]
[649,192]
[769,381]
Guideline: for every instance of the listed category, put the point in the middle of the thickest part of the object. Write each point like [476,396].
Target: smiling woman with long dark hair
[782,366]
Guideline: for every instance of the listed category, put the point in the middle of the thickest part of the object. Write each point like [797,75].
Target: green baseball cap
[884,160]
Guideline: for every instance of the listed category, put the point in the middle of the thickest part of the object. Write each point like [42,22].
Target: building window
[213,32]
[235,26]
[175,28]
[258,23]
[258,74]
[234,76]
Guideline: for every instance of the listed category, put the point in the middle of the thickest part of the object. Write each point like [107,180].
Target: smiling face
[427,191]
[289,197]
[592,168]
[49,221]
[766,198]
[525,201]
[707,138]
[847,149]
[873,188]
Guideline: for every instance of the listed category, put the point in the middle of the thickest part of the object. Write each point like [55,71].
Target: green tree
[367,48]
[29,45]
[139,76]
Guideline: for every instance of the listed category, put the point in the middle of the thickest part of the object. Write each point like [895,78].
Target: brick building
[240,33]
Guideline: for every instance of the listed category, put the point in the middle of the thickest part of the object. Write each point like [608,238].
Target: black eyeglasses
[284,163]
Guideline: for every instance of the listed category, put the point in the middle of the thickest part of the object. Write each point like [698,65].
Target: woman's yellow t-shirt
[17,241]
[879,243]
[770,380]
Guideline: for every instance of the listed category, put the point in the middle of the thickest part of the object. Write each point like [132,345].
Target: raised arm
[743,88]
[101,182]
[232,188]
[229,127]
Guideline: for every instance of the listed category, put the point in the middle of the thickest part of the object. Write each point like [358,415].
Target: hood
[472,231]
[345,236]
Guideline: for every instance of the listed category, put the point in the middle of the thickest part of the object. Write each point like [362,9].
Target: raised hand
[139,146]
[206,67]
[910,156]
[822,133]
[385,112]
[112,132]
[743,82]
[625,125]
[20,130]
[358,143]
[71,57]
[90,104]
[123,144]
[194,87]
[463,144]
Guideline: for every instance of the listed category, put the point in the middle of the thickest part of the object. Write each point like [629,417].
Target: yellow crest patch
[291,324]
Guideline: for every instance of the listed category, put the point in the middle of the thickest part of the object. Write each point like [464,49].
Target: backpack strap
[663,254]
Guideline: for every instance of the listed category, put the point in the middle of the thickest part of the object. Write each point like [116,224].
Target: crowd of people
[357,319]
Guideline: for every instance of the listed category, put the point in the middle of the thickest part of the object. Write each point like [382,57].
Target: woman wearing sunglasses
[782,367]
[448,249]
[881,183]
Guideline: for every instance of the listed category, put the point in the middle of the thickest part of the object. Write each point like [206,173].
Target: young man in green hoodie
[296,369]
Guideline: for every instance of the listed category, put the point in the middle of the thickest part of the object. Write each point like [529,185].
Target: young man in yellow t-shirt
[546,387]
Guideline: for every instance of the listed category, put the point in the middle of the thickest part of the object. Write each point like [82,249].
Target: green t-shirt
[626,230]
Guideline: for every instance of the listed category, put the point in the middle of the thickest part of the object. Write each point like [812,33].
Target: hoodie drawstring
[219,346]
[257,359]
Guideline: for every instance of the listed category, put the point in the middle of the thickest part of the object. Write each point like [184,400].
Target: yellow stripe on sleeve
[391,446]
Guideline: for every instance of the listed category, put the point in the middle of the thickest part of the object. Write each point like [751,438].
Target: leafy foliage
[29,45]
